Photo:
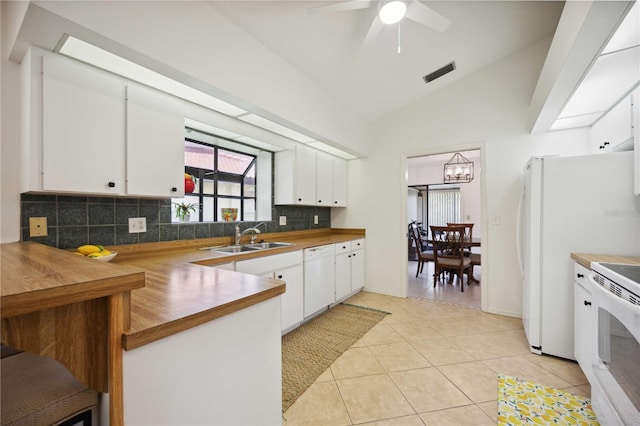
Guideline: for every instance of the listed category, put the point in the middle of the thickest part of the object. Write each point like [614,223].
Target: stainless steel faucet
[254,230]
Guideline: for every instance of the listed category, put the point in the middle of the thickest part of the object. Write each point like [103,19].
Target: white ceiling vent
[439,73]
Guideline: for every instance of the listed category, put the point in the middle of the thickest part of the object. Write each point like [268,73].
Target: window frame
[218,176]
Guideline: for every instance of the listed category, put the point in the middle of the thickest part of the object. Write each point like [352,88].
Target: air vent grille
[439,73]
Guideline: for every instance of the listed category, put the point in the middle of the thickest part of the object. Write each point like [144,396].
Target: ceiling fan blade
[340,7]
[418,12]
[374,30]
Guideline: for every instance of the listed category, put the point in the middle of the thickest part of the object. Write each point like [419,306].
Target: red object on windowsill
[189,185]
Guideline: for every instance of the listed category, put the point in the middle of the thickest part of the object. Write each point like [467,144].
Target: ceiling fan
[389,12]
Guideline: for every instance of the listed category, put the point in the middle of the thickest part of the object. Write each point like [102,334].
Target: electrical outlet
[137,224]
[283,220]
[38,227]
[315,219]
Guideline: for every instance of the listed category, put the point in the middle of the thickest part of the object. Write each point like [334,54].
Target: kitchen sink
[268,245]
[247,247]
[233,249]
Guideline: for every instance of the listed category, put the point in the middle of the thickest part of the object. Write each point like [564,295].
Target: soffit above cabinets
[612,76]
[85,52]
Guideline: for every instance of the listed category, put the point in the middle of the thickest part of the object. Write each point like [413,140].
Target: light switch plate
[283,220]
[315,219]
[137,224]
[38,227]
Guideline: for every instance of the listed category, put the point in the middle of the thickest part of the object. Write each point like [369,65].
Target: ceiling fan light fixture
[392,12]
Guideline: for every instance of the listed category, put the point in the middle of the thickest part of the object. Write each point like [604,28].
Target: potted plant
[184,210]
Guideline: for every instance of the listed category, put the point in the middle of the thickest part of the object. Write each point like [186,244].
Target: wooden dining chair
[474,257]
[468,234]
[424,256]
[448,249]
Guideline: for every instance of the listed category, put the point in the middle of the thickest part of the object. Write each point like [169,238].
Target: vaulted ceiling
[375,80]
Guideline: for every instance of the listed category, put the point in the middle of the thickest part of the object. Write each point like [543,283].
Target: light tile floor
[422,287]
[428,363]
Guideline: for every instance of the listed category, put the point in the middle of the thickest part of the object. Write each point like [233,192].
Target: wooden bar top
[35,277]
[585,259]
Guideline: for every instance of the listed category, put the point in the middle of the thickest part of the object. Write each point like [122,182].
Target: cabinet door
[155,144]
[618,123]
[583,320]
[357,270]
[305,175]
[324,179]
[343,275]
[597,136]
[293,299]
[339,182]
[83,124]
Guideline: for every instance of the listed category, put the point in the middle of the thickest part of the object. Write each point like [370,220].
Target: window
[443,206]
[226,178]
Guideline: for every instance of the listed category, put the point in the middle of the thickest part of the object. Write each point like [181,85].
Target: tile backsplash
[76,220]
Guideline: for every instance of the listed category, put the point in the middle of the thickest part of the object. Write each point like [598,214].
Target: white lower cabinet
[349,268]
[286,267]
[584,319]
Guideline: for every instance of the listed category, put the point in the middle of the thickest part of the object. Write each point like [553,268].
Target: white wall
[10,130]
[488,109]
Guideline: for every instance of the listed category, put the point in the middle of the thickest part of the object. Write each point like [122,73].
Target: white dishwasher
[319,278]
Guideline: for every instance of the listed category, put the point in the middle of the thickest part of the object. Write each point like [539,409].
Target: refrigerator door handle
[519,232]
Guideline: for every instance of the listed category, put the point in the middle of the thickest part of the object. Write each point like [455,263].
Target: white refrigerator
[582,204]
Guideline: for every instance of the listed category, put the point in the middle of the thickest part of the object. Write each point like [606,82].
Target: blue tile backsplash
[75,220]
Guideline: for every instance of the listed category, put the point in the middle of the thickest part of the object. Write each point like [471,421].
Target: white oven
[615,391]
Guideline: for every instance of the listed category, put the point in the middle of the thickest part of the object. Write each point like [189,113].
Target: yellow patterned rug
[525,403]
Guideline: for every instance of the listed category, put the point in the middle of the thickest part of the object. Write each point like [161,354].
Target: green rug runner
[311,348]
[526,403]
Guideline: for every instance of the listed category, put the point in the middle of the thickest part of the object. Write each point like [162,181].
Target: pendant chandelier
[458,169]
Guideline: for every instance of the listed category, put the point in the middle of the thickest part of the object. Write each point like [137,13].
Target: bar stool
[37,390]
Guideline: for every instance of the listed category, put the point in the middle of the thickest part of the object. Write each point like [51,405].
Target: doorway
[430,201]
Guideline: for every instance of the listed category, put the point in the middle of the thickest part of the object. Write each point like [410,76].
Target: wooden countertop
[585,259]
[181,291]
[35,277]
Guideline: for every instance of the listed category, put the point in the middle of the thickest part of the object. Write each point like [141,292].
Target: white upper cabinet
[83,136]
[82,129]
[154,144]
[614,131]
[339,180]
[295,176]
[309,177]
[324,179]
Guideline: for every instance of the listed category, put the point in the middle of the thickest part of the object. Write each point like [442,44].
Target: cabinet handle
[111,184]
[299,199]
[349,256]
[174,189]
[587,303]
[335,202]
[580,276]
[319,201]
[354,255]
[344,247]
[279,277]
[606,143]
[601,146]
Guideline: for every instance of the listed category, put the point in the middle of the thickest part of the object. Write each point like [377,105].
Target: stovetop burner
[631,272]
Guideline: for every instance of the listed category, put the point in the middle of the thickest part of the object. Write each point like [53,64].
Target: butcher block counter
[585,259]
